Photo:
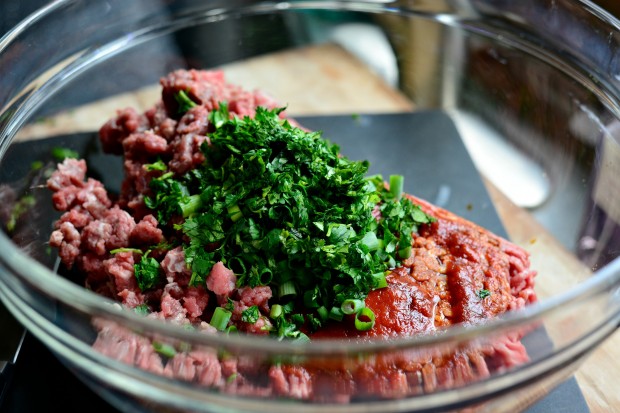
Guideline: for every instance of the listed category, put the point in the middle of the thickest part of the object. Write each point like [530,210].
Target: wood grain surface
[335,82]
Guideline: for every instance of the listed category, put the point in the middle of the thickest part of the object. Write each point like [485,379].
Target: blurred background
[11,12]
[611,5]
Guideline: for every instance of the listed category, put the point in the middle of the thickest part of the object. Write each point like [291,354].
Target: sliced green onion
[231,378]
[286,289]
[231,329]
[276,311]
[302,338]
[323,313]
[220,318]
[132,250]
[189,205]
[404,253]
[234,212]
[396,186]
[184,101]
[379,279]
[336,313]
[266,275]
[164,349]
[364,319]
[352,306]
[236,265]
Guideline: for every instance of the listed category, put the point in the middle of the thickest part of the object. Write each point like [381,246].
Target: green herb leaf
[164,349]
[147,273]
[142,309]
[482,294]
[20,208]
[230,305]
[60,154]
[250,315]
[184,101]
[159,165]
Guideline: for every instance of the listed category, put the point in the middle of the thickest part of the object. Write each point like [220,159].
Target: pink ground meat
[70,173]
[144,144]
[126,346]
[146,232]
[117,129]
[221,280]
[160,123]
[187,154]
[120,268]
[68,240]
[175,268]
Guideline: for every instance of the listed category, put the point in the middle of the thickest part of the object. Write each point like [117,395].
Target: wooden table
[335,82]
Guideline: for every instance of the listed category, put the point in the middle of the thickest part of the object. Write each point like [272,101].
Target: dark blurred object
[53,386]
[12,338]
[135,71]
[13,12]
[613,6]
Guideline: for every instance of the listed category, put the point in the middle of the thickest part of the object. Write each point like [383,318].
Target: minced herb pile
[279,206]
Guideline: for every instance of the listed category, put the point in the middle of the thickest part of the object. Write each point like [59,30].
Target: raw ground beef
[438,286]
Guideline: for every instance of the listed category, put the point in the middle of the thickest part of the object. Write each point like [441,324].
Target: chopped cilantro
[168,192]
[147,273]
[286,329]
[141,309]
[281,207]
[36,165]
[250,315]
[20,208]
[60,154]
[230,305]
[482,294]
[184,101]
[159,165]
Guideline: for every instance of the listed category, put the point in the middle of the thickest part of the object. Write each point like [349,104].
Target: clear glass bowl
[532,87]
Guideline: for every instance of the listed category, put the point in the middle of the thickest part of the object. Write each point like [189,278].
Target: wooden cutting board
[334,82]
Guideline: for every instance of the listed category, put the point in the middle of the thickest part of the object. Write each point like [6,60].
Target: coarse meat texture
[457,272]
